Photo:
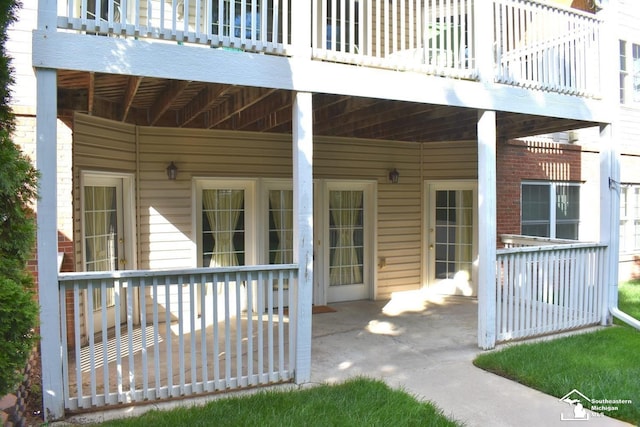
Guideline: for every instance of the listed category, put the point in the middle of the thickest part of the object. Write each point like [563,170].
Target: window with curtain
[223,229]
[280,226]
[346,237]
[550,209]
[100,235]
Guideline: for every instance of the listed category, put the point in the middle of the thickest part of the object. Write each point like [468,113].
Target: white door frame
[429,235]
[322,294]
[126,217]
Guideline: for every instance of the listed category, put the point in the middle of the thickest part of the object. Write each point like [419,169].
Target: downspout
[624,317]
[610,167]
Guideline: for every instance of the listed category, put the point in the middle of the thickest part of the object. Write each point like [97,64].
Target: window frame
[249,188]
[629,71]
[630,218]
[553,197]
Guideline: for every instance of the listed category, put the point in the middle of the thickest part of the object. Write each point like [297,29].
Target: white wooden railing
[534,45]
[545,289]
[545,47]
[175,333]
[434,36]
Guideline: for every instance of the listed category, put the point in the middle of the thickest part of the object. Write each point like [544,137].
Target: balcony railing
[534,45]
[549,288]
[147,335]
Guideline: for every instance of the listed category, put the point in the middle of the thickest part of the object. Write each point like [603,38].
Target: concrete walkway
[423,346]
[426,347]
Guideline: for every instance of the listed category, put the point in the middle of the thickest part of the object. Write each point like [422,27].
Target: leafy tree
[18,189]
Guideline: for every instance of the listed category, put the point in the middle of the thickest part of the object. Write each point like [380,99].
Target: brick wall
[518,161]
[25,137]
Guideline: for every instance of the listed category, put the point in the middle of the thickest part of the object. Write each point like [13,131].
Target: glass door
[451,238]
[347,242]
[104,243]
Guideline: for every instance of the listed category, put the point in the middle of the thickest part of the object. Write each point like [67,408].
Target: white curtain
[282,212]
[223,208]
[345,208]
[100,229]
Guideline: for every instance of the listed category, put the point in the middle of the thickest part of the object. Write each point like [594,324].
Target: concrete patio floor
[426,347]
[423,345]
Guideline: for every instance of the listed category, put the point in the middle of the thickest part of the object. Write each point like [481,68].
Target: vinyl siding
[166,235]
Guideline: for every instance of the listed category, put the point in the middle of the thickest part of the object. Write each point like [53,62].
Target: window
[280,226]
[346,237]
[224,216]
[630,218]
[629,72]
[550,209]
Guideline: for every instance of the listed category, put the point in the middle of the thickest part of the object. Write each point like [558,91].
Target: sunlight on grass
[357,402]
[602,364]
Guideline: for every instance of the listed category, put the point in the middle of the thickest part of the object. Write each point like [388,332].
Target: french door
[347,242]
[106,247]
[451,237]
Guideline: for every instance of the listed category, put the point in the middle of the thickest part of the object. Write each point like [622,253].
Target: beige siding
[165,208]
[100,146]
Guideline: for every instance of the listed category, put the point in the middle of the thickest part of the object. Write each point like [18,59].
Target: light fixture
[172,171]
[394,175]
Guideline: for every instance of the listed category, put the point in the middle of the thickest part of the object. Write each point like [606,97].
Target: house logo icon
[575,411]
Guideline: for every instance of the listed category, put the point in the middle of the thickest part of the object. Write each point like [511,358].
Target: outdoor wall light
[172,171]
[394,175]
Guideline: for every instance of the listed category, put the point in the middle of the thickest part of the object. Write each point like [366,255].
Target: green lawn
[357,402]
[602,365]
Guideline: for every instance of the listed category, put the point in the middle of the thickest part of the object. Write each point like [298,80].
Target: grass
[356,402]
[602,364]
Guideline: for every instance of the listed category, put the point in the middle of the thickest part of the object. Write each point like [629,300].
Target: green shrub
[18,190]
[18,315]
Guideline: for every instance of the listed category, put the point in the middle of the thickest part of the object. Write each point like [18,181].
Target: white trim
[427,258]
[250,213]
[369,206]
[124,182]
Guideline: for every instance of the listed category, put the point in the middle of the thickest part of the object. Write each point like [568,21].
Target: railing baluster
[168,334]
[91,338]
[238,316]
[142,293]
[128,294]
[78,343]
[181,317]
[216,336]
[270,344]
[204,353]
[250,286]
[262,285]
[227,331]
[280,321]
[193,310]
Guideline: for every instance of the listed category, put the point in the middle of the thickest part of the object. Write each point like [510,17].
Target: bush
[18,189]
[19,314]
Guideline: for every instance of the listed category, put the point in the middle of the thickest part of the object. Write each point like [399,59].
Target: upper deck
[479,54]
[534,45]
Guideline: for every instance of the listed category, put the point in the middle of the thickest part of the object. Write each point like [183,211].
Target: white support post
[303,229]
[487,209]
[300,34]
[609,218]
[483,34]
[47,233]
[46,161]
